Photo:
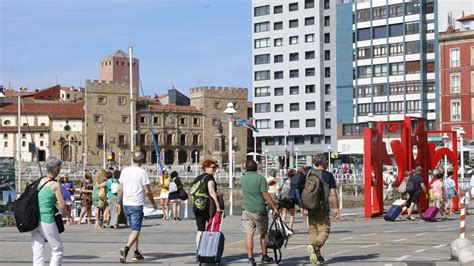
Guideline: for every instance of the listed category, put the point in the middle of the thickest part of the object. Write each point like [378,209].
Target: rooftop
[466,18]
[176,108]
[54,109]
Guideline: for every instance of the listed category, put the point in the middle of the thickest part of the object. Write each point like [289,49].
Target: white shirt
[133,179]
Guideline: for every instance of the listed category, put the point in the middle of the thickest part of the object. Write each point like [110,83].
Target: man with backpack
[319,186]
[414,188]
[254,209]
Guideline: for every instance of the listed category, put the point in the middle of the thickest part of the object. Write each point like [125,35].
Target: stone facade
[212,101]
[178,131]
[107,108]
[116,67]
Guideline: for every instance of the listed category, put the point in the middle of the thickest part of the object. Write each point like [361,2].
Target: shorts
[252,222]
[164,195]
[134,216]
[201,218]
[412,198]
[450,193]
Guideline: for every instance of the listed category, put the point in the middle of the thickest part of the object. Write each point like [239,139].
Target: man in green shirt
[254,209]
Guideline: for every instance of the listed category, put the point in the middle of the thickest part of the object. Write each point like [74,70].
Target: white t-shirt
[133,179]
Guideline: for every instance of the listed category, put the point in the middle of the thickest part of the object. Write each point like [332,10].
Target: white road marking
[447,229]
[419,250]
[444,225]
[440,246]
[347,238]
[300,246]
[338,253]
[399,240]
[393,231]
[403,258]
[420,234]
[372,245]
[371,234]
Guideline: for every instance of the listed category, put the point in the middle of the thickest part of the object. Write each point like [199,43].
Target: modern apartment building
[294,77]
[394,60]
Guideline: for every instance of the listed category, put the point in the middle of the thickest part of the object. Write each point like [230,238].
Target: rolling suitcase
[211,246]
[392,213]
[430,214]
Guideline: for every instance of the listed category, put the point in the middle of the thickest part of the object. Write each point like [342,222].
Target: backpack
[277,237]
[411,186]
[200,194]
[315,194]
[26,207]
[285,192]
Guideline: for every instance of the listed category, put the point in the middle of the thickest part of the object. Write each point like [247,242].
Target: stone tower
[116,67]
[212,101]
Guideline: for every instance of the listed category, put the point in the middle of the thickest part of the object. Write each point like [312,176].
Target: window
[277,9]
[310,106]
[125,119]
[262,123]
[327,123]
[6,122]
[455,110]
[413,106]
[278,75]
[142,119]
[262,75]
[293,7]
[364,91]
[396,49]
[363,53]
[279,124]
[309,37]
[309,55]
[309,21]
[278,58]
[397,69]
[294,123]
[380,51]
[278,91]
[327,37]
[395,10]
[101,100]
[327,21]
[454,58]
[121,100]
[156,120]
[326,4]
[169,139]
[363,15]
[379,32]
[327,139]
[278,25]
[363,109]
[327,89]
[23,136]
[217,105]
[278,42]
[294,90]
[100,140]
[262,26]
[395,30]
[309,72]
[294,73]
[430,46]
[327,55]
[261,43]
[262,107]
[278,107]
[363,34]
[412,67]
[412,47]
[308,4]
[379,12]
[380,70]
[182,121]
[142,139]
[195,121]
[380,89]
[261,11]
[412,8]
[310,122]
[455,83]
[182,139]
[397,88]
[396,107]
[23,143]
[98,118]
[294,40]
[412,28]
[472,55]
[327,72]
[294,57]
[293,23]
[327,106]
[429,7]
[364,72]
[5,144]
[262,91]
[294,107]
[310,88]
[380,108]
[262,59]
[472,85]
[413,87]
[195,139]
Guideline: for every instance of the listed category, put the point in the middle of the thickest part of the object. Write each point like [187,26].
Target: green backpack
[315,194]
[199,193]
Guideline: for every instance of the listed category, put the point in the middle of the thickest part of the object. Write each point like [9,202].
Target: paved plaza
[353,240]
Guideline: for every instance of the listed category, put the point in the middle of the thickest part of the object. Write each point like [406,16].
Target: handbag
[58,219]
[182,195]
[173,187]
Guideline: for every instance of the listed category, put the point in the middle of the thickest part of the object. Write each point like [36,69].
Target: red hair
[207,164]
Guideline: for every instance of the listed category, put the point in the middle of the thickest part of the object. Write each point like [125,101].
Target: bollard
[355,180]
[340,198]
[186,209]
[462,224]
[356,189]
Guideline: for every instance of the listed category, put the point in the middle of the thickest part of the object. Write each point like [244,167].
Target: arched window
[6,122]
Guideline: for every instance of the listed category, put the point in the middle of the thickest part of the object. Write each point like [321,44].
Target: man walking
[414,188]
[254,209]
[134,184]
[318,219]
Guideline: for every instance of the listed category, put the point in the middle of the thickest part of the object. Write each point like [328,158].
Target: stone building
[116,67]
[212,101]
[107,110]
[177,129]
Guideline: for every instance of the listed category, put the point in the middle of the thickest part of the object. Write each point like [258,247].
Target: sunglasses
[214,167]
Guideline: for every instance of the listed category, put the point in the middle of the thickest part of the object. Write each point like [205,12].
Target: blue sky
[186,43]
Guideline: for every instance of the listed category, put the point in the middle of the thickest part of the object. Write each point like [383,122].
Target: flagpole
[254,141]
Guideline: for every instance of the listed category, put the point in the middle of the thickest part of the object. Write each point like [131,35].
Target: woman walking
[164,194]
[49,193]
[285,202]
[98,200]
[174,195]
[112,185]
[203,193]
[86,195]
[449,187]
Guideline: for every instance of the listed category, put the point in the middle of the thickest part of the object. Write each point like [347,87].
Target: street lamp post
[69,146]
[329,158]
[196,162]
[230,111]
[284,164]
[119,160]
[103,145]
[296,154]
[233,160]
[445,141]
[266,163]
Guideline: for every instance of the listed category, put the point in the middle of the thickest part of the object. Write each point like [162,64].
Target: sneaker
[267,259]
[252,262]
[177,218]
[411,218]
[320,258]
[137,256]
[123,254]
[312,254]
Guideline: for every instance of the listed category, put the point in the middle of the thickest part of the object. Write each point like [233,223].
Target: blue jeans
[134,216]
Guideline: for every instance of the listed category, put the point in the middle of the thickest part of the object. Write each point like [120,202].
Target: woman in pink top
[439,193]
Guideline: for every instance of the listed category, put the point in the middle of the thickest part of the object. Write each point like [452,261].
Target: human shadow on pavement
[80,257]
[158,255]
[352,258]
[234,258]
